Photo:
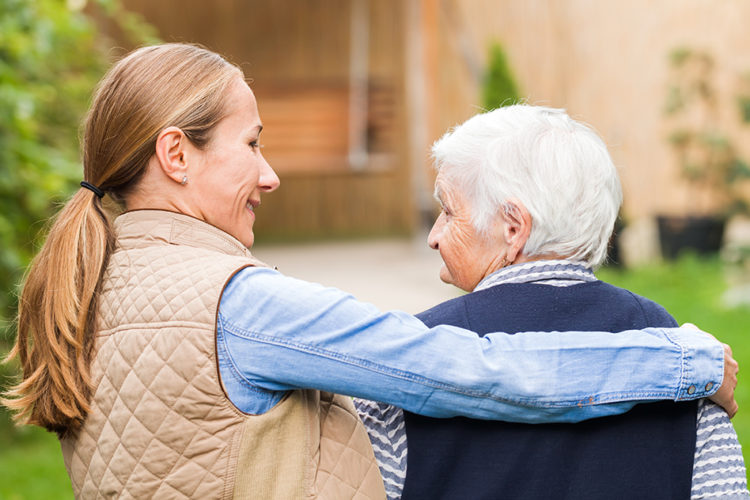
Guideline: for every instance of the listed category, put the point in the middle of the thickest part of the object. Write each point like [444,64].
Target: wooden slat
[305,126]
[336,204]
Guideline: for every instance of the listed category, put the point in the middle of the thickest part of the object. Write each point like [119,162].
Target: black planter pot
[701,235]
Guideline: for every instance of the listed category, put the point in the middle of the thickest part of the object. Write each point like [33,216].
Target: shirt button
[709,386]
[691,389]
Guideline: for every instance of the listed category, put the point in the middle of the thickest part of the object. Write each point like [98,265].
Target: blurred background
[353,92]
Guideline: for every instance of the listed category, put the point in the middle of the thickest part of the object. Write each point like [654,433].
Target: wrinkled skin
[467,256]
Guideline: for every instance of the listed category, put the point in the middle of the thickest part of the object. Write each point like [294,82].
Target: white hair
[558,168]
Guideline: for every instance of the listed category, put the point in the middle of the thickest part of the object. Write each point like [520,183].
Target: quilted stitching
[347,468]
[160,425]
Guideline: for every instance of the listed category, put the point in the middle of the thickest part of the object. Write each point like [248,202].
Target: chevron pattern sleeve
[718,467]
[385,426]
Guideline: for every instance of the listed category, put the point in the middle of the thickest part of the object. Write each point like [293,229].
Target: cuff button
[691,390]
[709,386]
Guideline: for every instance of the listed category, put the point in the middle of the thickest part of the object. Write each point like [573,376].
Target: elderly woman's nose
[268,179]
[432,242]
[434,236]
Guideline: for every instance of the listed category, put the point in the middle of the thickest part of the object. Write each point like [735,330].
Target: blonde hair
[150,89]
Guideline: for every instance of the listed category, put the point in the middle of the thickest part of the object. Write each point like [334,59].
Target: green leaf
[51,56]
[500,88]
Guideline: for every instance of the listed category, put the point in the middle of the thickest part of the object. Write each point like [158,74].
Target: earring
[184,180]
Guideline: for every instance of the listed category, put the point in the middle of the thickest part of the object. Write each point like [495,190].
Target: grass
[690,289]
[33,468]
[31,463]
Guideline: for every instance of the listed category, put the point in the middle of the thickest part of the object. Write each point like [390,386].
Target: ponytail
[56,317]
[150,89]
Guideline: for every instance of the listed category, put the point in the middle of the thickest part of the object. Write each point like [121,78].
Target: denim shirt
[276,334]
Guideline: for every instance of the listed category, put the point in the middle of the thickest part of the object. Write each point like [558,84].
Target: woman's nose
[434,236]
[268,179]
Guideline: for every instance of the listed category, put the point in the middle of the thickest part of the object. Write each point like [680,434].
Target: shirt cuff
[702,363]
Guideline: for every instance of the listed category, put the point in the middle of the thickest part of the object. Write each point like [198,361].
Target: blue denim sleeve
[278,333]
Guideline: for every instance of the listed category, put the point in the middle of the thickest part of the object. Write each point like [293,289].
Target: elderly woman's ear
[516,230]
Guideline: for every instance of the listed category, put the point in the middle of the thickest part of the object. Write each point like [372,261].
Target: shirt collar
[548,272]
[138,228]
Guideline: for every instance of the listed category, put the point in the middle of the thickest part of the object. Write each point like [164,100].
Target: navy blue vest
[645,454]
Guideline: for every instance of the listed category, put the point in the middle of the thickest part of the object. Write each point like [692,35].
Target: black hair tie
[98,192]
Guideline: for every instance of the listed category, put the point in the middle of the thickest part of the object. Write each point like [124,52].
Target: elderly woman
[172,364]
[529,198]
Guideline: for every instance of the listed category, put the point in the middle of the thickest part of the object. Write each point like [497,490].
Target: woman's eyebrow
[438,194]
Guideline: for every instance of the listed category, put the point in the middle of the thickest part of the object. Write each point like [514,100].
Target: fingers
[728,351]
[724,397]
[731,408]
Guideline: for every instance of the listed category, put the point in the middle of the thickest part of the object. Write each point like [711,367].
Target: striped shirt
[718,466]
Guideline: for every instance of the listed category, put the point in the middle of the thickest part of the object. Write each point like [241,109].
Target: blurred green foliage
[499,87]
[52,53]
[51,56]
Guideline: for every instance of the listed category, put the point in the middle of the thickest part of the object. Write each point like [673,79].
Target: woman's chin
[445,275]
[248,240]
[244,235]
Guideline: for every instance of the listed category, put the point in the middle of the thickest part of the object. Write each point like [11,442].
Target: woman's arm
[280,333]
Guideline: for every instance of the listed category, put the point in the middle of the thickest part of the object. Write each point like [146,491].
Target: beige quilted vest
[160,425]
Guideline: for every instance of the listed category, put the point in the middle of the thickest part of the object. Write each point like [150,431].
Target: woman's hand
[724,397]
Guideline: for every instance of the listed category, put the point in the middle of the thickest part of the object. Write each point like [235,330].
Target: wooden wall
[607,64]
[296,53]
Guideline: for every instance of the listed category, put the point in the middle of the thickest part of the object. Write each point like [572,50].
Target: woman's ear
[171,145]
[517,227]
